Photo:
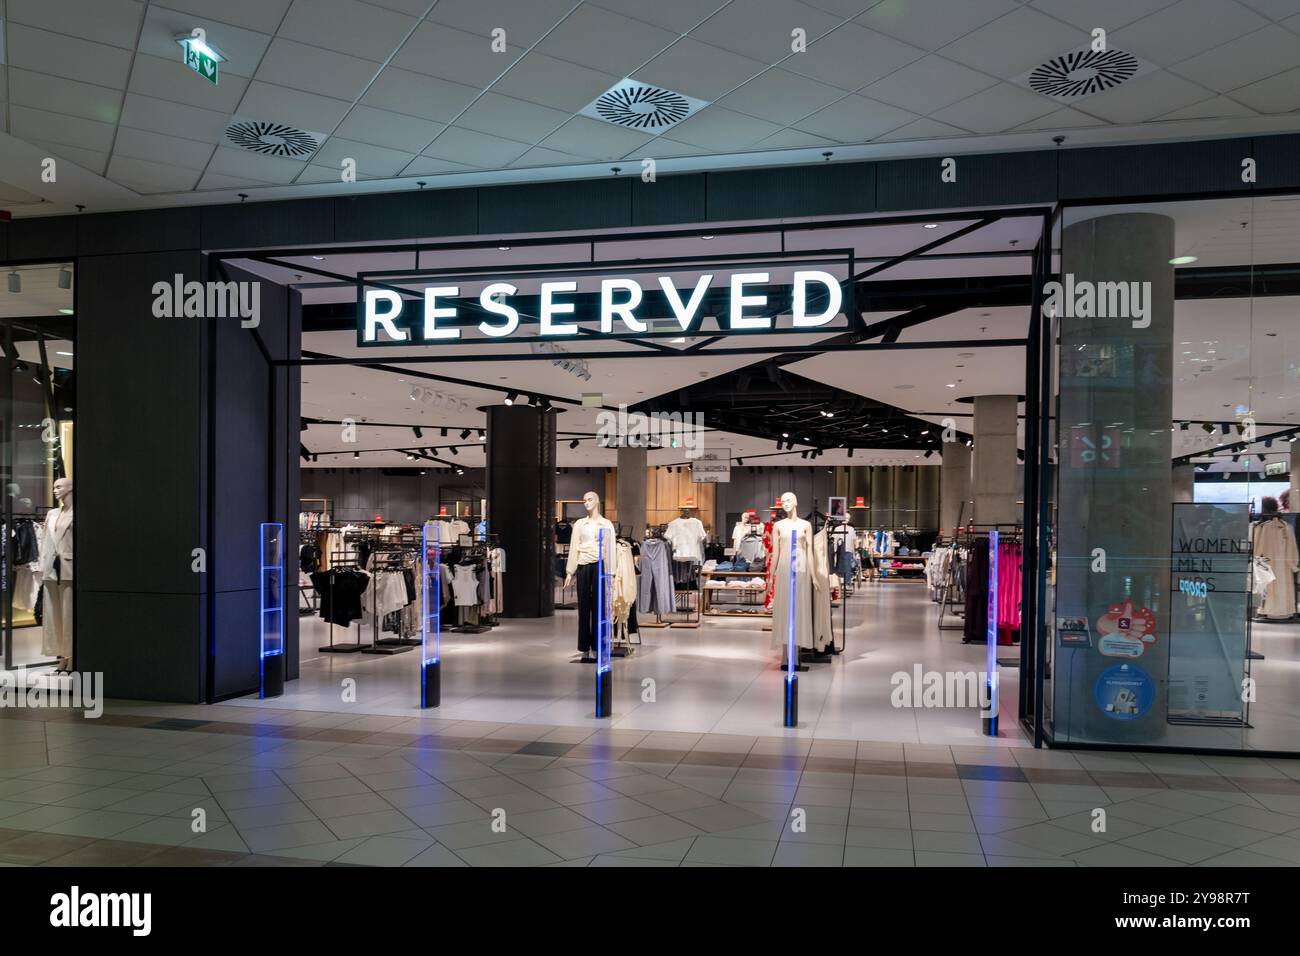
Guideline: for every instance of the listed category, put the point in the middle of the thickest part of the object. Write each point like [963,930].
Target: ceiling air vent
[1084,72]
[641,106]
[272,139]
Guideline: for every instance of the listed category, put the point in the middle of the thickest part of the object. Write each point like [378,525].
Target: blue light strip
[991,654]
[603,602]
[791,651]
[271,619]
[430,650]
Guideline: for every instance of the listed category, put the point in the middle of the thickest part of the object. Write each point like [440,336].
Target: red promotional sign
[859,502]
[442,510]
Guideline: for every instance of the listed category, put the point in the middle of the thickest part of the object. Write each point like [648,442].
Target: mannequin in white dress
[779,575]
[56,575]
[582,566]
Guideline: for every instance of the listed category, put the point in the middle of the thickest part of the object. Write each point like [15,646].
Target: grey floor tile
[808,854]
[518,852]
[98,823]
[657,829]
[285,835]
[877,856]
[539,822]
[711,849]
[436,855]
[386,851]
[369,824]
[470,833]
[615,810]
[588,841]
[933,858]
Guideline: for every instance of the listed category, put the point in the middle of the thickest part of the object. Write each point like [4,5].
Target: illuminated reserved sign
[816,298]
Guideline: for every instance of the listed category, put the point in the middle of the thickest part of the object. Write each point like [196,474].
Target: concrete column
[1184,483]
[994,488]
[1116,406]
[954,487]
[630,482]
[521,504]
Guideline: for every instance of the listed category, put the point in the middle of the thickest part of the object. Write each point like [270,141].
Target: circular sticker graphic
[1124,692]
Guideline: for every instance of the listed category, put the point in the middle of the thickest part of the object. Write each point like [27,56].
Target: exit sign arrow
[200,57]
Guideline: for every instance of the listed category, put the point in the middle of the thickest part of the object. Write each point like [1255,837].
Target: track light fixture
[1223,428]
[574,443]
[418,432]
[482,434]
[303,452]
[452,449]
[1207,427]
[15,282]
[929,452]
[740,461]
[510,397]
[356,456]
[464,435]
[1185,425]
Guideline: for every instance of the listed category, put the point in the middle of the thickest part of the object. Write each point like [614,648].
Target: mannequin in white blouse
[584,550]
[792,530]
[56,574]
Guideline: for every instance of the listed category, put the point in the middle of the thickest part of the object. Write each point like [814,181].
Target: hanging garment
[822,635]
[588,580]
[656,591]
[386,594]
[779,581]
[464,585]
[625,583]
[340,591]
[685,573]
[750,548]
[1273,539]
[687,538]
[1262,577]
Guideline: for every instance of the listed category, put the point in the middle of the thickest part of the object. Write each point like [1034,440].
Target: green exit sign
[201,58]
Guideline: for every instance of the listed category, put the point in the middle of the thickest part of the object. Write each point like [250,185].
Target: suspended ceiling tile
[1275,9]
[922,129]
[160,148]
[1014,43]
[174,119]
[59,95]
[1145,98]
[115,22]
[493,113]
[852,56]
[698,69]
[556,83]
[242,164]
[781,97]
[585,37]
[260,15]
[856,119]
[1064,118]
[931,24]
[676,15]
[279,104]
[794,139]
[928,85]
[1242,61]
[1185,29]
[384,128]
[762,29]
[40,126]
[146,177]
[44,52]
[996,109]
[314,70]
[372,162]
[242,49]
[430,98]
[1213,108]
[442,51]
[347,26]
[429,166]
[1277,94]
[88,159]
[540,156]
[172,80]
[524,23]
[593,139]
[475,149]
[1108,14]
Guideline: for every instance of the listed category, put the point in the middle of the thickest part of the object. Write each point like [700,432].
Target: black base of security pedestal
[988,720]
[273,676]
[791,693]
[604,693]
[431,689]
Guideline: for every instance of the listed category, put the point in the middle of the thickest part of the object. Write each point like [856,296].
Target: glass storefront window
[1171,619]
[38,406]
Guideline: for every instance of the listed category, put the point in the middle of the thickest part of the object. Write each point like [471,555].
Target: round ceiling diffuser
[1083,73]
[272,139]
[642,107]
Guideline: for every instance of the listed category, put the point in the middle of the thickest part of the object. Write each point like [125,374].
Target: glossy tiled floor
[301,788]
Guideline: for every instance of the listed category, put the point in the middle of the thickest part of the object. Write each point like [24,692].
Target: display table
[902,566]
[746,601]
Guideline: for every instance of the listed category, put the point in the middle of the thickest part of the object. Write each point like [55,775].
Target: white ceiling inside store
[410,89]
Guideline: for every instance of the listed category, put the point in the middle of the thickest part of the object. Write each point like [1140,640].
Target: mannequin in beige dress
[796,529]
[56,576]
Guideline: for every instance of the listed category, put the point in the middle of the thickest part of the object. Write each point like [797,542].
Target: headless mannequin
[779,571]
[582,566]
[56,574]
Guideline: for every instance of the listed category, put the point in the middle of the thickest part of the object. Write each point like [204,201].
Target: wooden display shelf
[706,602]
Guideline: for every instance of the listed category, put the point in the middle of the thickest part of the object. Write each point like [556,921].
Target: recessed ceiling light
[952,385]
[62,353]
[1182,260]
[319,258]
[931,225]
[69,312]
[503,248]
[706,237]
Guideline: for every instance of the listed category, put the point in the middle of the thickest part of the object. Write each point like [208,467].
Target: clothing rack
[473,552]
[340,560]
[388,555]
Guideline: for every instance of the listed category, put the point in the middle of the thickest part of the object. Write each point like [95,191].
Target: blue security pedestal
[604,631]
[989,712]
[431,617]
[790,696]
[271,619]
